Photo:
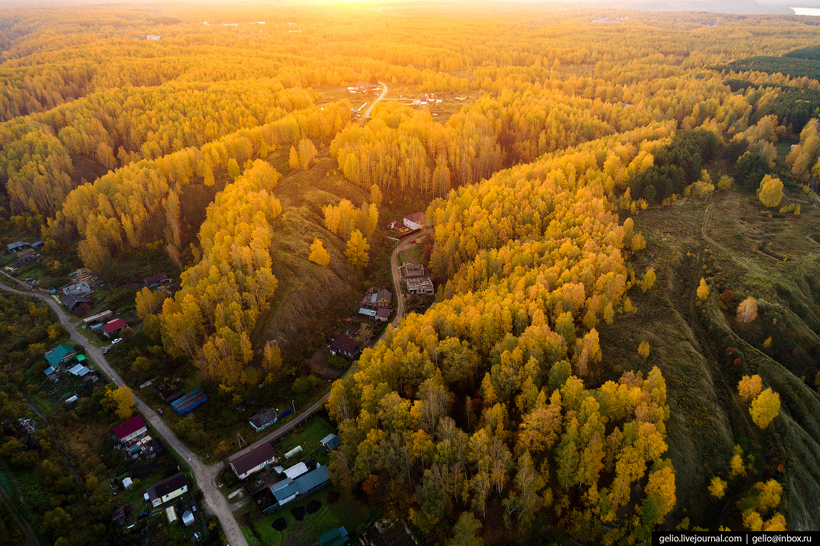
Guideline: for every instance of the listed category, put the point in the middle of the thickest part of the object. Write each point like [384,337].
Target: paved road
[205,475]
[384,92]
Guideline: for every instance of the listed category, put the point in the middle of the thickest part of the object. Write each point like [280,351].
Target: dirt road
[205,475]
[384,92]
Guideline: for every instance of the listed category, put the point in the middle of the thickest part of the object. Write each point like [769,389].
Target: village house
[113,326]
[382,298]
[131,430]
[263,419]
[157,280]
[77,289]
[72,302]
[415,220]
[253,461]
[130,433]
[61,354]
[168,489]
[288,490]
[343,345]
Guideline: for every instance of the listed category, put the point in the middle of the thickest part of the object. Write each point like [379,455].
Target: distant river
[806,11]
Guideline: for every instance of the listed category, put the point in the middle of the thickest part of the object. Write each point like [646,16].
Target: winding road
[206,475]
[369,110]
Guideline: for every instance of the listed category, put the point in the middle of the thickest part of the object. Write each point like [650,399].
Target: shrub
[305,384]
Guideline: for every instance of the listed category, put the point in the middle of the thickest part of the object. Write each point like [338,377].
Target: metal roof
[331,441]
[129,427]
[57,354]
[249,461]
[312,480]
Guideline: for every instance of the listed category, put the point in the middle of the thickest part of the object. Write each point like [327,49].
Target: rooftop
[171,484]
[344,343]
[58,353]
[129,427]
[114,325]
[246,462]
[265,416]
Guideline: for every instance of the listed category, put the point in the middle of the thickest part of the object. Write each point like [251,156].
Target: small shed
[264,418]
[330,442]
[383,314]
[127,483]
[171,513]
[71,399]
[79,370]
[296,470]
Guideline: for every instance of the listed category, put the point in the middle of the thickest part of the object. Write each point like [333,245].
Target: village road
[205,475]
[369,110]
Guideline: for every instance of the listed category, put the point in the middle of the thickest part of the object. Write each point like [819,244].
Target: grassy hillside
[734,244]
[310,299]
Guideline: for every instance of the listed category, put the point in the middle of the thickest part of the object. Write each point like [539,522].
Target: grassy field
[751,252]
[345,512]
[307,436]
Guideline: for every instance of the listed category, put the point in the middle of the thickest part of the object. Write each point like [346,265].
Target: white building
[415,220]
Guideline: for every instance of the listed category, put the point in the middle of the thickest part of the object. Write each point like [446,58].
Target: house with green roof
[60,354]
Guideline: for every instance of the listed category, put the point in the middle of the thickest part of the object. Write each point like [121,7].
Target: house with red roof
[156,280]
[112,326]
[130,433]
[414,221]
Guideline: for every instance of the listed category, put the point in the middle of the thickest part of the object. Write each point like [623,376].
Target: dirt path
[369,110]
[32,540]
[743,262]
[204,475]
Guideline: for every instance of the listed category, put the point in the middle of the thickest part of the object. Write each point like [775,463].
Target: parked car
[105,351]
[159,410]
[116,341]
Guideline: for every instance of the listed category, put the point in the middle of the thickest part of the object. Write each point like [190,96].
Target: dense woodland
[495,409]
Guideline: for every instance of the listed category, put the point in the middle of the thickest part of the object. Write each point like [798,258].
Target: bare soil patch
[319,366]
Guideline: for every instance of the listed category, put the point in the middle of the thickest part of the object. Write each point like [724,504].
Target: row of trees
[114,212]
[210,319]
[117,127]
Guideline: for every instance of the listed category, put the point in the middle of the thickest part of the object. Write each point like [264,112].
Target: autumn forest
[621,226]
